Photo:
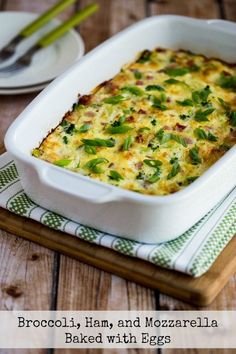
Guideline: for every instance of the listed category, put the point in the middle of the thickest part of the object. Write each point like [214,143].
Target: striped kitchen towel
[193,252]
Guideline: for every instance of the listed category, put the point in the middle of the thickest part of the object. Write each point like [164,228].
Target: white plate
[47,64]
[23,89]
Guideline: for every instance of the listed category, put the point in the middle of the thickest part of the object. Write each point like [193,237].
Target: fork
[24,61]
[9,49]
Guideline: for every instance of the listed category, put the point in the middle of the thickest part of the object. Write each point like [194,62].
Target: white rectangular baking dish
[149,219]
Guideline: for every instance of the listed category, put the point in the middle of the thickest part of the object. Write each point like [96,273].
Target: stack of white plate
[47,64]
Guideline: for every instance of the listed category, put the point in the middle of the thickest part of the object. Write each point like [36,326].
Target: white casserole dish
[149,219]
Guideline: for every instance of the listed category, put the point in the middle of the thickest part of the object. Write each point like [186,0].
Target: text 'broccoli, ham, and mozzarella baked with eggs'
[154,128]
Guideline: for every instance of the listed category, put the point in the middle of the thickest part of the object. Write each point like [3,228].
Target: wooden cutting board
[198,291]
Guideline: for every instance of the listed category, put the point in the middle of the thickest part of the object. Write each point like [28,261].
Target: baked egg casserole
[154,128]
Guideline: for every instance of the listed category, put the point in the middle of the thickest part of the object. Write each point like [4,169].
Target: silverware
[9,49]
[24,61]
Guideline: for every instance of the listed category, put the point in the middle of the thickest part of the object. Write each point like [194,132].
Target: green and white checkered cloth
[193,252]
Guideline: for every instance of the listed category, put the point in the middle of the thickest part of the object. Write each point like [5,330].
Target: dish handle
[80,186]
[223,24]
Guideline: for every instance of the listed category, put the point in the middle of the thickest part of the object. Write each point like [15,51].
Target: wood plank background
[35,278]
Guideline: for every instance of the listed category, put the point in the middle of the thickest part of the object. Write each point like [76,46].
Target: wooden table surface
[35,278]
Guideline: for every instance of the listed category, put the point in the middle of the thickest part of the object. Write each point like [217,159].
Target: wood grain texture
[192,8]
[199,291]
[36,6]
[112,17]
[229,7]
[10,108]
[23,265]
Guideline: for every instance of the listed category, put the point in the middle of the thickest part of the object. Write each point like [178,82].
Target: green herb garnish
[65,139]
[201,116]
[115,176]
[134,90]
[84,128]
[194,156]
[141,130]
[91,150]
[224,104]
[92,165]
[184,116]
[227,81]
[155,177]
[186,102]
[127,143]
[232,118]
[175,170]
[178,71]
[145,56]
[154,122]
[202,134]
[99,142]
[69,128]
[157,103]
[190,180]
[119,129]
[173,81]
[114,99]
[152,163]
[201,96]
[63,162]
[138,75]
[179,139]
[154,88]
[162,136]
